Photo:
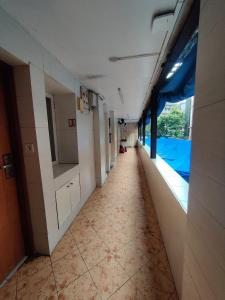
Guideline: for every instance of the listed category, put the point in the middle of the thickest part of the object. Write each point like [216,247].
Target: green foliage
[147,130]
[172,124]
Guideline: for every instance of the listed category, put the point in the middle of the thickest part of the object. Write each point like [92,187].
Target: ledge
[63,173]
[59,169]
[178,186]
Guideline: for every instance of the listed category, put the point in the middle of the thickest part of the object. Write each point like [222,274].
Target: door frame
[17,149]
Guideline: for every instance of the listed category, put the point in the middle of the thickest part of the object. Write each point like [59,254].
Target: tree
[147,130]
[172,124]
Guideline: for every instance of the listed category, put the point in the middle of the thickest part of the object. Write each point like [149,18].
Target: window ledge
[178,186]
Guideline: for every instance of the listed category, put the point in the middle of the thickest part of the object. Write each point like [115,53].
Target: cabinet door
[75,192]
[63,203]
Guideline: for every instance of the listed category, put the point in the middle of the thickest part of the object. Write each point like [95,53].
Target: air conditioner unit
[92,99]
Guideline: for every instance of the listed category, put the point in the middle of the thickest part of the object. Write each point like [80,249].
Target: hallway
[109,252]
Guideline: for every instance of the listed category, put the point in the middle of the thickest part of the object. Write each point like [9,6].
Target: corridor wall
[204,260]
[171,216]
[33,61]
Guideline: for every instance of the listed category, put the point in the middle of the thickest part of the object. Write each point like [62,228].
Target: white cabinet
[63,204]
[74,192]
[67,197]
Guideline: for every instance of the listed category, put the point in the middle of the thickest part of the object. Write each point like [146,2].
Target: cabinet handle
[67,186]
[71,183]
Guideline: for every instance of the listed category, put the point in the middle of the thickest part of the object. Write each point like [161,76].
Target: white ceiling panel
[83,34]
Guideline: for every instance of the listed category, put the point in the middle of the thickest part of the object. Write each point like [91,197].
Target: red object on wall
[121,149]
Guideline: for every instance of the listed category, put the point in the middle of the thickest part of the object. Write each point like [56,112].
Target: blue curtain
[182,84]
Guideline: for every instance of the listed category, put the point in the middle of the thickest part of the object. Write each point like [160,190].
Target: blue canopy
[181,85]
[176,152]
[148,116]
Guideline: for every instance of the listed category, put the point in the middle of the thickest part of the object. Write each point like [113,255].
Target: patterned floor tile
[83,236]
[128,292]
[64,247]
[153,283]
[131,259]
[113,238]
[81,289]
[94,251]
[108,276]
[113,249]
[40,285]
[68,268]
[34,265]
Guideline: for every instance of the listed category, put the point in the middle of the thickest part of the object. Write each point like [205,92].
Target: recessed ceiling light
[118,58]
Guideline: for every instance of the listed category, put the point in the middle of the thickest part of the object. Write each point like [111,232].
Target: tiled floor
[113,249]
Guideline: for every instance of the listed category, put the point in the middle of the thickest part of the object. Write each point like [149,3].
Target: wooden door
[11,237]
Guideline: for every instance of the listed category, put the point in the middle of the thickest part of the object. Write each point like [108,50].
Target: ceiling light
[121,95]
[118,58]
[174,69]
[177,65]
[93,77]
[169,75]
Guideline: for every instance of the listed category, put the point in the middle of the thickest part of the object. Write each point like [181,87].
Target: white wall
[34,128]
[85,137]
[65,108]
[204,269]
[18,47]
[131,134]
[171,217]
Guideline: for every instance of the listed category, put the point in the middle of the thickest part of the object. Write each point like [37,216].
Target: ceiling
[83,34]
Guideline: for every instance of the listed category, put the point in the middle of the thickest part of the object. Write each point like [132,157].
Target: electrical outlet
[29,148]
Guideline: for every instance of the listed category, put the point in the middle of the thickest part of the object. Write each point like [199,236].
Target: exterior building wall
[204,261]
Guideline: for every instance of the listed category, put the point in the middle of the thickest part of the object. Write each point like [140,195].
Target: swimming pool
[176,152]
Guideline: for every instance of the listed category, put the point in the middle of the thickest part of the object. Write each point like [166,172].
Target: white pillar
[99,141]
[113,123]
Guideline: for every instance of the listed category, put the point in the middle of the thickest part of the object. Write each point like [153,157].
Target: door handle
[5,166]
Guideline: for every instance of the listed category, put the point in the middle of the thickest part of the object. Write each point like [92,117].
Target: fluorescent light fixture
[169,75]
[121,95]
[118,58]
[177,65]
[174,69]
